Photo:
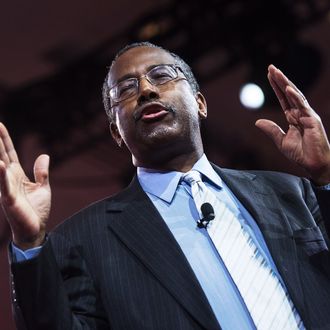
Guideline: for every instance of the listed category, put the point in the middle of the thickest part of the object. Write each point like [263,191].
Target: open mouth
[152,116]
[152,112]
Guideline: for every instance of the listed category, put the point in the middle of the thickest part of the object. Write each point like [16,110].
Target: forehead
[136,61]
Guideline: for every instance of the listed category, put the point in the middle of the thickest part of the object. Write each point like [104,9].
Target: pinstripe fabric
[265,298]
[116,265]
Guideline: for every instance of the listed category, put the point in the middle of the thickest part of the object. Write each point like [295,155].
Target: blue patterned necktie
[265,297]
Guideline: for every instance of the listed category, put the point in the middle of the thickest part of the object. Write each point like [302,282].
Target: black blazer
[116,265]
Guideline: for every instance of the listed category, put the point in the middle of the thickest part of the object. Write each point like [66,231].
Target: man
[137,260]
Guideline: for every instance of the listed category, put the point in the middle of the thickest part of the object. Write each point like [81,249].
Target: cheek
[122,123]
[187,106]
[124,114]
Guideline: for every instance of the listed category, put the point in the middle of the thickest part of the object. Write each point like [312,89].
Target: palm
[305,141]
[292,145]
[25,203]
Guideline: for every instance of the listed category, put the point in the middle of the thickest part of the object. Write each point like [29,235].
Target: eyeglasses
[158,75]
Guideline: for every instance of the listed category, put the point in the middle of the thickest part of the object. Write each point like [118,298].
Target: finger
[8,144]
[3,154]
[312,122]
[2,172]
[299,101]
[293,117]
[294,132]
[272,130]
[283,82]
[285,104]
[4,185]
[281,79]
[41,170]
[279,82]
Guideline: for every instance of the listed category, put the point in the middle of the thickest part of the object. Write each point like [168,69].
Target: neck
[182,162]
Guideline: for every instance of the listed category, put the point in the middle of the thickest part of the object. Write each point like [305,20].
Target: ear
[115,133]
[202,106]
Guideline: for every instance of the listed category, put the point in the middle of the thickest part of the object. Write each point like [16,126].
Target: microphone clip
[208,215]
[202,223]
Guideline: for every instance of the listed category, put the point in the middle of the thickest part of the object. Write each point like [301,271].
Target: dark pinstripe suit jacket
[116,265]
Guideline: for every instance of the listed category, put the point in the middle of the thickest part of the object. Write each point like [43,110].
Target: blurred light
[154,28]
[251,96]
[149,31]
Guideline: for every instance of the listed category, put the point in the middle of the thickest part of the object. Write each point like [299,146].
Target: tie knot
[191,177]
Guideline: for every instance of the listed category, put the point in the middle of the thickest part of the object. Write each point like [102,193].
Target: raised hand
[26,204]
[305,142]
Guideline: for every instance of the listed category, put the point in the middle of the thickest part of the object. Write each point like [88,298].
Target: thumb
[272,130]
[41,170]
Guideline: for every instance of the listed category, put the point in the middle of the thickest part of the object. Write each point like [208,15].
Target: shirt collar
[163,184]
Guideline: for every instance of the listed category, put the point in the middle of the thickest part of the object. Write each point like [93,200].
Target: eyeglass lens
[158,75]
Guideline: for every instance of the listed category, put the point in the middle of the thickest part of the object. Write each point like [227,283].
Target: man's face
[158,116]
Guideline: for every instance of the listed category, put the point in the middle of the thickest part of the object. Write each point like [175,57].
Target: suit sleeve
[320,208]
[323,198]
[56,293]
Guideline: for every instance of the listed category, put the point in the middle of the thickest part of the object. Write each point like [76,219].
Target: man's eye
[160,77]
[161,74]
[125,88]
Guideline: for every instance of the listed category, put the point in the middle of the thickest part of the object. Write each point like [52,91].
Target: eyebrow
[130,75]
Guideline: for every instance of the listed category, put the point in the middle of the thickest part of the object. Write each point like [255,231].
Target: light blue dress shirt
[173,200]
[21,255]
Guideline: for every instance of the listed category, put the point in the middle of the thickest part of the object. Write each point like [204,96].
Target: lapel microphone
[208,215]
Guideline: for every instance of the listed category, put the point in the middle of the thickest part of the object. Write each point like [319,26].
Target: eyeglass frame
[137,79]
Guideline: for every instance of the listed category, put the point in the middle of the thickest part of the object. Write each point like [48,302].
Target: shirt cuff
[326,187]
[20,255]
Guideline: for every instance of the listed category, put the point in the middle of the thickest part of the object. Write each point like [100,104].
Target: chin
[160,135]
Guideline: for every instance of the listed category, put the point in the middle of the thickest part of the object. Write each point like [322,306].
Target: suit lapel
[266,209]
[139,225]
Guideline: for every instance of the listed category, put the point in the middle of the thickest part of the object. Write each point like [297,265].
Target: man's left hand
[305,141]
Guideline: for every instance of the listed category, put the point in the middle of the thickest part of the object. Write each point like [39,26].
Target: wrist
[29,243]
[322,178]
[321,181]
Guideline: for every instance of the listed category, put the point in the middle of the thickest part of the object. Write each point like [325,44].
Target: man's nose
[147,91]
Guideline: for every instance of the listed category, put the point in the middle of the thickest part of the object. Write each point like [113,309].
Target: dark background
[54,56]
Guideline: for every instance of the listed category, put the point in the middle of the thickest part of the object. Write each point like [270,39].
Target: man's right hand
[26,204]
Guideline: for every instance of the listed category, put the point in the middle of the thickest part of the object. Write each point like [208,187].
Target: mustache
[137,114]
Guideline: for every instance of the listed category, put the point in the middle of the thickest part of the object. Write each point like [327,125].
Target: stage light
[251,96]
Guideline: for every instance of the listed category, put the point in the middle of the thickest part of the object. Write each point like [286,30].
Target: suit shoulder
[267,175]
[278,181]
[274,175]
